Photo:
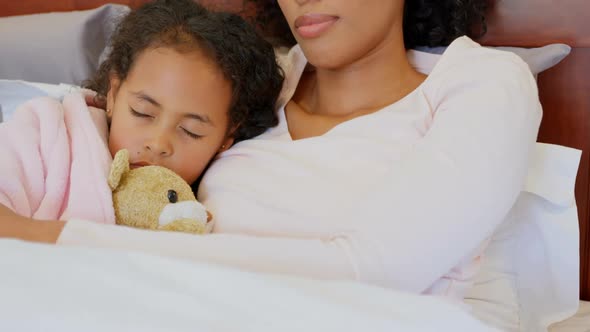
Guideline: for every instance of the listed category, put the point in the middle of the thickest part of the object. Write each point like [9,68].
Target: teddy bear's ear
[119,168]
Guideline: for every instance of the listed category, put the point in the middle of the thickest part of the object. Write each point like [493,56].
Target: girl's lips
[314,25]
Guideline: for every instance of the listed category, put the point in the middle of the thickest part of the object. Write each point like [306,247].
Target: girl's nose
[160,145]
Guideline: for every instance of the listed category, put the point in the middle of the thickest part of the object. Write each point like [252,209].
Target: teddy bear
[154,197]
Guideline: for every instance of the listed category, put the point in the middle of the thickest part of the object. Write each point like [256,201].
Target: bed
[564,89]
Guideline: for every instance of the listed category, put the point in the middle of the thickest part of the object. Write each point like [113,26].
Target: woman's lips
[314,25]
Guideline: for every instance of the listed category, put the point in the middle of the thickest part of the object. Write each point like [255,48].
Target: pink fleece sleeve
[54,161]
[33,159]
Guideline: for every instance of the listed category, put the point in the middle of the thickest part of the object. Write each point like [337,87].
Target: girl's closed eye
[139,114]
[191,134]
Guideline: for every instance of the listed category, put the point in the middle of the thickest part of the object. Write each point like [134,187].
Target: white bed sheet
[67,289]
[578,323]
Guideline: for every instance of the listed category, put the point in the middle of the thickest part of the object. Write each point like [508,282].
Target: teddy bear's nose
[172,196]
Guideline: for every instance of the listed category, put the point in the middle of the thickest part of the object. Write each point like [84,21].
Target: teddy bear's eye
[172,196]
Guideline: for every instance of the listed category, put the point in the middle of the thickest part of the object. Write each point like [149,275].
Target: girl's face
[171,110]
[335,33]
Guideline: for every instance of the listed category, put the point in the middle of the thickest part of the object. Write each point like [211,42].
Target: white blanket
[49,288]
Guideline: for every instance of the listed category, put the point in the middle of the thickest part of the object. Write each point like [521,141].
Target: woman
[375,172]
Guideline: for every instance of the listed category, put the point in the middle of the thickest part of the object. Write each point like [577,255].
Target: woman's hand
[15,226]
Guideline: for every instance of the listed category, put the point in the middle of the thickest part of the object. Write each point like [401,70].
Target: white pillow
[61,47]
[538,59]
[13,93]
[530,271]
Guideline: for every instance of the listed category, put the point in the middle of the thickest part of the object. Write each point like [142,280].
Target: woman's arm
[312,257]
[461,180]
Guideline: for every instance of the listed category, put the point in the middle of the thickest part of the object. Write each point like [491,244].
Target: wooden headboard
[22,7]
[564,89]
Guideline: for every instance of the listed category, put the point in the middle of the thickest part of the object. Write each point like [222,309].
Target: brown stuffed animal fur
[154,197]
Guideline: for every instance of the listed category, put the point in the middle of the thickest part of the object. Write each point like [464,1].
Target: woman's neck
[378,79]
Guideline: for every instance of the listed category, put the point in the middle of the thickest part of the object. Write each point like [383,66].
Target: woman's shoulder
[466,69]
[466,59]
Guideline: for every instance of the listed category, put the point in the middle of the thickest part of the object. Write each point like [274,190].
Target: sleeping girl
[180,85]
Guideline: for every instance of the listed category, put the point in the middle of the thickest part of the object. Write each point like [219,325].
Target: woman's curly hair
[426,22]
[438,22]
[245,58]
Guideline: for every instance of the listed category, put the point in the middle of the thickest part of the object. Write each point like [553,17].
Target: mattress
[578,323]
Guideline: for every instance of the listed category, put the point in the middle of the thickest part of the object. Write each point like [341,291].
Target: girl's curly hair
[426,22]
[245,58]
